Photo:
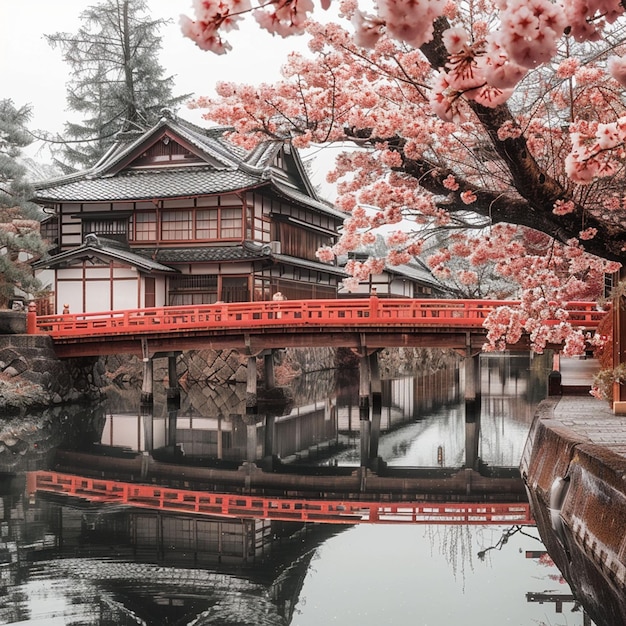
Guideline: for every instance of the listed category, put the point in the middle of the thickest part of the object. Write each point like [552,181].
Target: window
[115,228]
[230,223]
[207,224]
[177,225]
[193,289]
[235,289]
[144,226]
[202,225]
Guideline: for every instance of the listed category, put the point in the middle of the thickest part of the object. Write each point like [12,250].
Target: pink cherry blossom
[562,207]
[450,183]
[588,233]
[617,69]
[468,197]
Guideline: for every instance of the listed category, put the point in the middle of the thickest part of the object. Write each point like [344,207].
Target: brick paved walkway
[585,415]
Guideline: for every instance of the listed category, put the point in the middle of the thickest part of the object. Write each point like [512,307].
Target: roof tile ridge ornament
[91,240]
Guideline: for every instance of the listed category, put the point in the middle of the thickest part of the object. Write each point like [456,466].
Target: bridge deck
[260,325]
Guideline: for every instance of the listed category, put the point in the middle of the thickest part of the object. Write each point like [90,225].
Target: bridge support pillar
[251,383]
[268,369]
[364,409]
[173,389]
[269,441]
[377,405]
[472,409]
[172,418]
[370,408]
[251,442]
[147,386]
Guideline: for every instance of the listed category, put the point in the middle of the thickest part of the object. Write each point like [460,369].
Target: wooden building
[180,215]
[410,280]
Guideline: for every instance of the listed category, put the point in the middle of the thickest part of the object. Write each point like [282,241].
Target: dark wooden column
[364,409]
[377,404]
[619,335]
[472,408]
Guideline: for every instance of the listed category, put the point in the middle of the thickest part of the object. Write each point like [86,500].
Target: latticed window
[207,224]
[177,225]
[144,227]
[193,289]
[112,228]
[230,223]
[202,225]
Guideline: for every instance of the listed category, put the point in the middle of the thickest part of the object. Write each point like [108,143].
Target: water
[65,561]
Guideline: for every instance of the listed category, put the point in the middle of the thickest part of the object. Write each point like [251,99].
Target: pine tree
[116,83]
[20,240]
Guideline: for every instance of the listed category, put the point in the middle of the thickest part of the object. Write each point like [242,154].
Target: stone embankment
[31,375]
[574,466]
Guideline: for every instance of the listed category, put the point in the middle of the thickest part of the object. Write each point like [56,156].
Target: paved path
[585,415]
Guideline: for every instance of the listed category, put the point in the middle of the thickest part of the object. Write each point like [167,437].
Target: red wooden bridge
[188,502]
[256,326]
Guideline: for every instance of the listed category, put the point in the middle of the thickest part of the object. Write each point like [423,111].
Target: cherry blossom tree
[499,117]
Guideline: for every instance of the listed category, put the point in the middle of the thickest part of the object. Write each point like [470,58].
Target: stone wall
[32,376]
[210,367]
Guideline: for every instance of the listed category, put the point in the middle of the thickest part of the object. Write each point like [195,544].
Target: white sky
[33,72]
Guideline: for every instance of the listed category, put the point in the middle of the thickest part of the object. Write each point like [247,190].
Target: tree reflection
[504,539]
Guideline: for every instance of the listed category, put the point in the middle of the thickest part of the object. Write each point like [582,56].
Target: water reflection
[73,561]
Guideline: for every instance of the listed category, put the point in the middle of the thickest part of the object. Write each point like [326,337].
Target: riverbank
[574,466]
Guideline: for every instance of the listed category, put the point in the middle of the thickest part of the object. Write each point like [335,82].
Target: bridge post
[251,383]
[147,386]
[269,439]
[172,418]
[268,368]
[364,409]
[377,405]
[472,408]
[251,441]
[173,389]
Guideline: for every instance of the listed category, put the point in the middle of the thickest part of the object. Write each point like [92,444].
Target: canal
[77,561]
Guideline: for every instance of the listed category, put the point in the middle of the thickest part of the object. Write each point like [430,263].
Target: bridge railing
[227,505]
[327,313]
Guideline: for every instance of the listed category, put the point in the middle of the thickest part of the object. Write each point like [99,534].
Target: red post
[374,304]
[31,319]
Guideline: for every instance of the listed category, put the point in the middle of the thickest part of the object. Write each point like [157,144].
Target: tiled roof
[205,254]
[298,196]
[247,252]
[313,265]
[94,248]
[148,184]
[415,272]
[226,168]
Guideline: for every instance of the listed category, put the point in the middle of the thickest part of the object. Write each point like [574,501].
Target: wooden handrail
[349,313]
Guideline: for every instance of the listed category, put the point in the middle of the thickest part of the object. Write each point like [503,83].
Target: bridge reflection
[209,503]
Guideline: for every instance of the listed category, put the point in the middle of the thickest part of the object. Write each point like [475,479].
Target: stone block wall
[32,376]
